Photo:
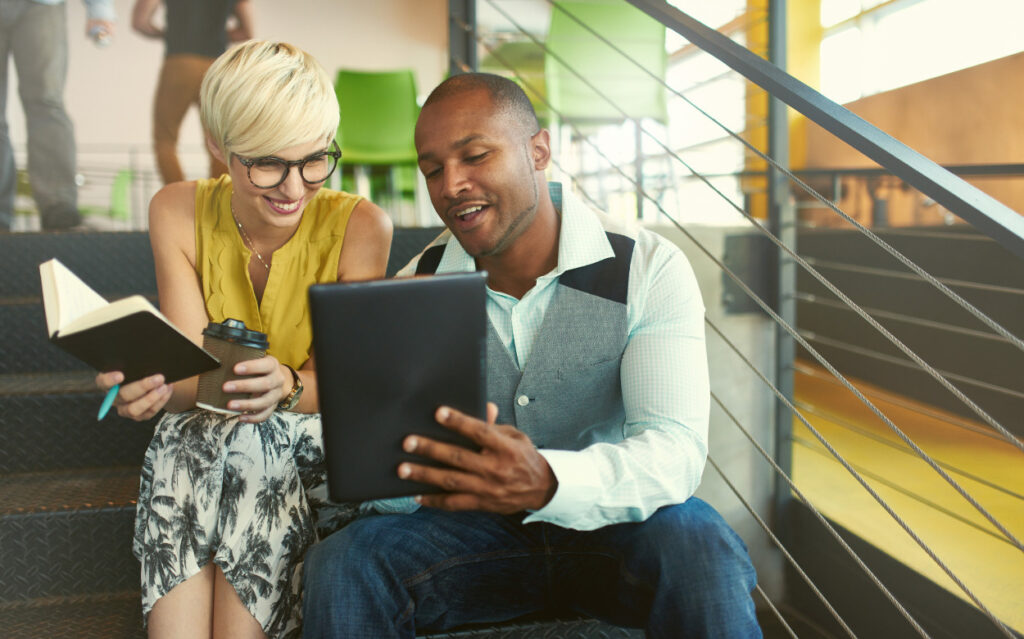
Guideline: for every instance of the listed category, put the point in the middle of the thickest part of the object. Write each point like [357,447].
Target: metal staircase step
[48,422]
[67,533]
[120,262]
[24,344]
[571,629]
[103,616]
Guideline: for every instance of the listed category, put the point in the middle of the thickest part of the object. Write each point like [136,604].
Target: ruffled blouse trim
[305,259]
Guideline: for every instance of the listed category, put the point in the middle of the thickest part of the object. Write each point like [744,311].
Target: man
[196,33]
[580,499]
[34,32]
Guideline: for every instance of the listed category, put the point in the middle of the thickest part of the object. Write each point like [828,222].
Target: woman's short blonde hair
[261,97]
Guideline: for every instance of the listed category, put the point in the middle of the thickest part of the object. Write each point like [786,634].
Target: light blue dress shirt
[664,374]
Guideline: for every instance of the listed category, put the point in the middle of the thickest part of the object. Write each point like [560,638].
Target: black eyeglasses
[268,172]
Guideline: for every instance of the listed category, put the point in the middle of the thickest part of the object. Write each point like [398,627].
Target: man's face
[480,170]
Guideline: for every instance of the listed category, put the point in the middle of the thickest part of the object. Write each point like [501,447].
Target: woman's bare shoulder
[172,214]
[367,244]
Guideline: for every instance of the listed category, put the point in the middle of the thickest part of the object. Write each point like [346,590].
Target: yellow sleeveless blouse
[310,256]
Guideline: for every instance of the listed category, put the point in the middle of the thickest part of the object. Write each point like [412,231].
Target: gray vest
[568,395]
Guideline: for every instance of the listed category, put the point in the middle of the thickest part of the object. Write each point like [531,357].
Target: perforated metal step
[48,422]
[83,617]
[111,263]
[67,533]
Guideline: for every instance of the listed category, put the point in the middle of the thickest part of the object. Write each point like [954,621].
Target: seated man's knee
[349,557]
[695,535]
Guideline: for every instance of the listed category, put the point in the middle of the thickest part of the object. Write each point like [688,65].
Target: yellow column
[803,35]
[756,134]
[803,47]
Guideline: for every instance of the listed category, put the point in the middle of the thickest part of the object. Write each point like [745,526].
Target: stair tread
[48,383]
[116,614]
[69,490]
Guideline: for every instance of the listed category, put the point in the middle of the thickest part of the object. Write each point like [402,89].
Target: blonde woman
[226,502]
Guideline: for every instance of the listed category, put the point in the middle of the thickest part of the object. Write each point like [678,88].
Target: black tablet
[388,353]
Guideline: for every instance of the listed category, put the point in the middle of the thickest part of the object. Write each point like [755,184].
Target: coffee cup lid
[232,330]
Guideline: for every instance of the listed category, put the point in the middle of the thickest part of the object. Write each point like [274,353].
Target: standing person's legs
[681,573]
[40,50]
[392,575]
[177,89]
[9,11]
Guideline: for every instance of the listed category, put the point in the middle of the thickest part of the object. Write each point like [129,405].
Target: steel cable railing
[860,468]
[901,403]
[832,288]
[834,372]
[1019,343]
[742,285]
[903,317]
[846,425]
[942,565]
[853,348]
[785,553]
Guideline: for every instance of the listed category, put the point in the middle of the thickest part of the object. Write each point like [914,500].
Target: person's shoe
[60,221]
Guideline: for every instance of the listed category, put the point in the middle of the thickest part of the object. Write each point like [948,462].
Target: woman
[224,513]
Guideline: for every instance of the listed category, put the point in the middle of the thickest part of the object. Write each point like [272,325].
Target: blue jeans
[35,35]
[681,573]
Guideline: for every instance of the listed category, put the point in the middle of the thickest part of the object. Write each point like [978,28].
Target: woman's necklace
[246,238]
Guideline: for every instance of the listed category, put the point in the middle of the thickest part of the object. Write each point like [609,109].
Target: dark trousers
[35,35]
[681,573]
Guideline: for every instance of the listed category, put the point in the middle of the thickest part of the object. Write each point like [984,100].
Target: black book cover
[138,345]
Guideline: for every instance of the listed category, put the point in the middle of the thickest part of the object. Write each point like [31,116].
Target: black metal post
[462,36]
[782,222]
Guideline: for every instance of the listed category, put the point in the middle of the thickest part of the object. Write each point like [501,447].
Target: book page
[110,312]
[65,296]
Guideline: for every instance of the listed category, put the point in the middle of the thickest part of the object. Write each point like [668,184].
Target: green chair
[121,195]
[604,72]
[569,44]
[522,62]
[378,118]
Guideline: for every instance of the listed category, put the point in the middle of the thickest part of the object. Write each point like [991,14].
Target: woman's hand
[139,400]
[265,380]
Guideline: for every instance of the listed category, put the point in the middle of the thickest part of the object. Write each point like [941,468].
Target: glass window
[882,46]
[835,11]
[841,66]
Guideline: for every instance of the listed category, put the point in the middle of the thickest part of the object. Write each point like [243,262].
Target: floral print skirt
[250,497]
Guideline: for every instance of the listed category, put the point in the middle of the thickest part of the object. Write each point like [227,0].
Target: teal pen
[108,401]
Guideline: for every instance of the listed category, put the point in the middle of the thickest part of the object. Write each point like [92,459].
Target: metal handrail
[995,219]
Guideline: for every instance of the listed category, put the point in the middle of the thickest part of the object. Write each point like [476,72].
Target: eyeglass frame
[334,152]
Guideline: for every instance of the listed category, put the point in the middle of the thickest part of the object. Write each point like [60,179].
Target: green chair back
[523,63]
[378,116]
[121,195]
[572,45]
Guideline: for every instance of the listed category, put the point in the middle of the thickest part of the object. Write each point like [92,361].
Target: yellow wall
[803,37]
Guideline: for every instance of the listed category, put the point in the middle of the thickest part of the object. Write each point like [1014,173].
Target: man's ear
[215,150]
[540,149]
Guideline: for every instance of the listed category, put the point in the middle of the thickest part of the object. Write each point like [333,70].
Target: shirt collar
[588,242]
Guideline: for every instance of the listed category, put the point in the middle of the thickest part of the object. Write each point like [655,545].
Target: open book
[129,335]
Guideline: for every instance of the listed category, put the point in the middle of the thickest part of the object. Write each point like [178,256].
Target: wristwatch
[292,398]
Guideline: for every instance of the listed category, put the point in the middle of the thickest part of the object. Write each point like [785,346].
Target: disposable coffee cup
[230,342]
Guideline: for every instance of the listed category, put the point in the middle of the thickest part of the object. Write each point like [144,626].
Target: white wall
[110,90]
[746,397]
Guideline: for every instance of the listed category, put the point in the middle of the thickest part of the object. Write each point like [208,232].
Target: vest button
[522,400]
